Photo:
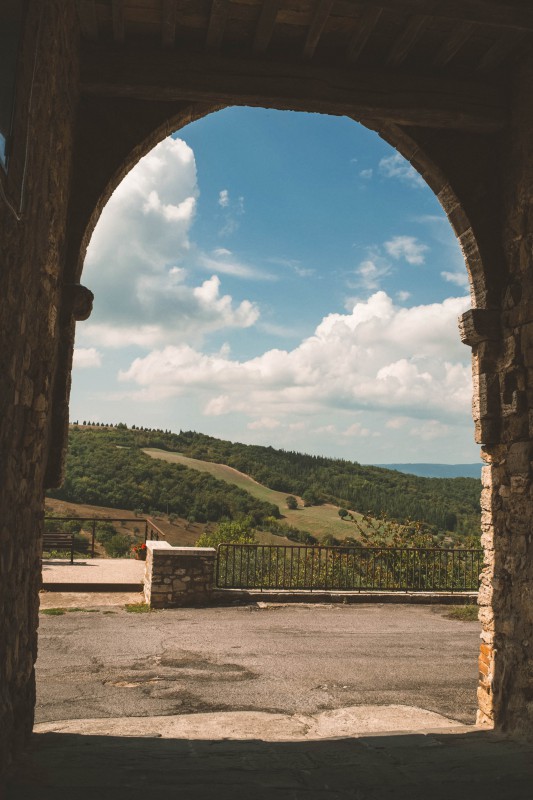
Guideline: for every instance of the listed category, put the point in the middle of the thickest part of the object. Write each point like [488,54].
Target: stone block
[519,458]
[479,324]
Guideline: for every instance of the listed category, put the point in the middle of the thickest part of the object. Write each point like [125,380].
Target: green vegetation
[100,473]
[447,504]
[106,466]
[57,612]
[137,608]
[228,533]
[468,613]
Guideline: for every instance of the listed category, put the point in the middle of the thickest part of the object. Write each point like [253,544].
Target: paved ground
[281,659]
[306,687]
[92,571]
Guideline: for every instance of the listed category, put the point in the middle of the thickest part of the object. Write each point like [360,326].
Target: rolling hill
[204,478]
[318,520]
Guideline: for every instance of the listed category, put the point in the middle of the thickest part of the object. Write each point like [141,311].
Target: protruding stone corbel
[479,325]
[76,305]
[78,301]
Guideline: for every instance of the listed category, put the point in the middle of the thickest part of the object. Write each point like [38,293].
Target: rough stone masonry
[178,576]
[74,138]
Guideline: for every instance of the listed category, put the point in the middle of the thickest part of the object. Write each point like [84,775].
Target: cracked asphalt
[283,659]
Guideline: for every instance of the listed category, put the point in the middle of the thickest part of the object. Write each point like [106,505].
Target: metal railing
[86,539]
[252,566]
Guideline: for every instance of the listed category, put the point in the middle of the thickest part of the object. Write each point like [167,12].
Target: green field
[318,520]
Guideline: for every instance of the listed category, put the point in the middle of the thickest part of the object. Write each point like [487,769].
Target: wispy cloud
[396,167]
[295,265]
[224,262]
[86,357]
[407,247]
[370,274]
[459,278]
[232,211]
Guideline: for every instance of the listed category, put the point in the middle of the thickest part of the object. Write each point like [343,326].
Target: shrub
[228,533]
[105,532]
[118,546]
[329,540]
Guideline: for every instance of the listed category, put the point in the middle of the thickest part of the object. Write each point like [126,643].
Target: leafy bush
[118,546]
[104,532]
[239,532]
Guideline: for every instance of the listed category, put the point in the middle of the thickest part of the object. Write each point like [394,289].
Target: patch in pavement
[162,676]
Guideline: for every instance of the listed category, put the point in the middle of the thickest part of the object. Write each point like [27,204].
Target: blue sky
[279,278]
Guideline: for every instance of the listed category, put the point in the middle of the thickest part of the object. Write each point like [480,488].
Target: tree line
[446,504]
[109,470]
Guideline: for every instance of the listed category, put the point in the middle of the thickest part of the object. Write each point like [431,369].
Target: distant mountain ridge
[437,470]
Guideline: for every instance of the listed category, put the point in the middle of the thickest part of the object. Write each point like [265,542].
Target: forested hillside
[445,504]
[100,473]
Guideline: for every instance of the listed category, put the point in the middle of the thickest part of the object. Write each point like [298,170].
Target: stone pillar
[178,576]
[33,214]
[503,403]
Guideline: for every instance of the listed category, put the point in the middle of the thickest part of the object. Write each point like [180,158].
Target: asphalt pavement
[280,659]
[321,702]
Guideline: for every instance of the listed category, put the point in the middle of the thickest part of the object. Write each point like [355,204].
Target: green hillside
[318,520]
[101,473]
[446,505]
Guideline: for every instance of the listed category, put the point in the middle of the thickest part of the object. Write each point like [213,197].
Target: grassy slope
[179,533]
[318,520]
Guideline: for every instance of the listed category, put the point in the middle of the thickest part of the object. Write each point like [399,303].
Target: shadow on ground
[416,766]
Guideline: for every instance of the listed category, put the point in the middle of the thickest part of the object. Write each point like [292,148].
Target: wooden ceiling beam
[166,75]
[363,32]
[168,23]
[265,25]
[88,19]
[406,40]
[319,21]
[453,44]
[499,51]
[494,13]
[119,32]
[217,24]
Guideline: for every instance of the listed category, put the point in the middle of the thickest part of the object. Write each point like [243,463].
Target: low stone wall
[178,576]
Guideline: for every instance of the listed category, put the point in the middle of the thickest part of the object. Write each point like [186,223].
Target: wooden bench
[57,540]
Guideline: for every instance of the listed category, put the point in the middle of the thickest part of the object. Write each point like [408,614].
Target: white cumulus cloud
[85,357]
[141,262]
[405,361]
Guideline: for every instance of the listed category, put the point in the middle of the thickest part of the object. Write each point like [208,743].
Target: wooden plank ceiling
[438,36]
[439,63]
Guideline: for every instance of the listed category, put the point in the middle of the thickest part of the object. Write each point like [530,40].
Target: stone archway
[470,137]
[459,175]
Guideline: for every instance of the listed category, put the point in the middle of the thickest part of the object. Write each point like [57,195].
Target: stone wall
[178,576]
[504,366]
[33,207]
[34,196]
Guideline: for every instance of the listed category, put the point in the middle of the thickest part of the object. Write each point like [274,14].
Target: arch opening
[408,247]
